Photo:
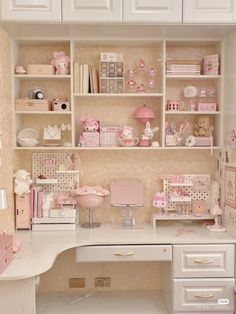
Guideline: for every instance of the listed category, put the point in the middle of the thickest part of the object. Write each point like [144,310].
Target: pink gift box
[206,106]
[6,251]
[203,141]
[91,139]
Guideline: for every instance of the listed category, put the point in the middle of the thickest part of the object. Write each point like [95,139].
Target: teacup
[129,142]
[174,105]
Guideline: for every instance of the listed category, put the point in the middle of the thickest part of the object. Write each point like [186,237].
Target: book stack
[183,67]
[85,79]
[36,202]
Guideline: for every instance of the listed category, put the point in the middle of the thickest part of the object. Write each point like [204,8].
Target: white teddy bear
[22,182]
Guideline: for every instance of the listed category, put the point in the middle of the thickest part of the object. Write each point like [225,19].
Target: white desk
[40,249]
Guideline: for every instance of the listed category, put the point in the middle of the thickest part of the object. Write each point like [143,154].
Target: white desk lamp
[3,199]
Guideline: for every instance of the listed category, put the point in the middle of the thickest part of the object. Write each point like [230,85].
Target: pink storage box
[206,106]
[27,104]
[91,139]
[203,141]
[109,136]
[6,251]
[40,69]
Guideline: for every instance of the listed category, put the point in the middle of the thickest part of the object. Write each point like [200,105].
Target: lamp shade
[3,199]
[144,114]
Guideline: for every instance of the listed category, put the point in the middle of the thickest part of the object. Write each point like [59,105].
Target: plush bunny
[149,132]
[61,62]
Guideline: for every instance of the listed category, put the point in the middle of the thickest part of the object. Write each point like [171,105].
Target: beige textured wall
[6,153]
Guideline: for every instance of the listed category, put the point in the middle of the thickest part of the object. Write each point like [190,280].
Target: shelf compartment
[127,302]
[120,95]
[195,77]
[41,77]
[44,112]
[191,112]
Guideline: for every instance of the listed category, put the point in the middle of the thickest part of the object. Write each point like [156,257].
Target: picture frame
[230,185]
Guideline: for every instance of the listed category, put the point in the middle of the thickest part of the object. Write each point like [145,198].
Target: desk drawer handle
[203,261]
[204,296]
[123,253]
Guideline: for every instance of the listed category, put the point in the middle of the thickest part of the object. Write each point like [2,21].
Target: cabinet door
[31,10]
[92,11]
[152,11]
[207,11]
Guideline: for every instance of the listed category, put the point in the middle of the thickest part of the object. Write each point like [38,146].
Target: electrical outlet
[76,282]
[101,282]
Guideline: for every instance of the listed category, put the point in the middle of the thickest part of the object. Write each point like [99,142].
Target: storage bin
[27,104]
[40,69]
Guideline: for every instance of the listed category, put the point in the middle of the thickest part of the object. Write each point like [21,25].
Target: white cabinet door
[153,11]
[209,11]
[31,10]
[92,11]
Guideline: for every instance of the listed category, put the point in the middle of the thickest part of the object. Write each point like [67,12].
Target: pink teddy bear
[61,63]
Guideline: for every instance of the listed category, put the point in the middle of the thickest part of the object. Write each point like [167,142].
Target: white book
[53,227]
[85,84]
[76,77]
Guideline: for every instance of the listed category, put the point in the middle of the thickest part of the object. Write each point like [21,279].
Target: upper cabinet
[92,11]
[209,11]
[152,11]
[119,11]
[31,10]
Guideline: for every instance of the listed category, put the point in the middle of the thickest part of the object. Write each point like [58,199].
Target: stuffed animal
[149,132]
[90,124]
[61,63]
[22,182]
[202,127]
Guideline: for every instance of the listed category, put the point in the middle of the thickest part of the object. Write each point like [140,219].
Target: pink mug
[174,105]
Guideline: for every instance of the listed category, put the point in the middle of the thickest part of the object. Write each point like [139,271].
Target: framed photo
[230,185]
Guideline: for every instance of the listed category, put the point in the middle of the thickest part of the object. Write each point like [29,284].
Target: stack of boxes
[111,73]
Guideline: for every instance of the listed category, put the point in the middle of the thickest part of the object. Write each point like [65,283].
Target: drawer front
[203,260]
[124,253]
[199,295]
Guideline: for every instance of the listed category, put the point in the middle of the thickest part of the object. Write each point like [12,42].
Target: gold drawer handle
[203,261]
[204,296]
[123,253]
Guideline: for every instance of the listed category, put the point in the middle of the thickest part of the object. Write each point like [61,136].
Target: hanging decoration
[142,79]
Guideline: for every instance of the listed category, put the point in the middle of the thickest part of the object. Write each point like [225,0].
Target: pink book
[40,204]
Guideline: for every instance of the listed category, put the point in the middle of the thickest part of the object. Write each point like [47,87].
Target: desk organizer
[188,198]
[111,73]
[6,251]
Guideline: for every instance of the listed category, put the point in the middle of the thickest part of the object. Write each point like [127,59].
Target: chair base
[91,225]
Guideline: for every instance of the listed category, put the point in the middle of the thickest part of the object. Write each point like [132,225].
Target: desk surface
[39,249]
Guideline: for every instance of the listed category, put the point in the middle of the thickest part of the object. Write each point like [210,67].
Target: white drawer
[203,260]
[123,253]
[203,295]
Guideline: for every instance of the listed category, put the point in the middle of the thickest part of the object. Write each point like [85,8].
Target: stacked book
[85,79]
[183,67]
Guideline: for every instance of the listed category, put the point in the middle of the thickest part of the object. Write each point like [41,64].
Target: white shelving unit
[114,109]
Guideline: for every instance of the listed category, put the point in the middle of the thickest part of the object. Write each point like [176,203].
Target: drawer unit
[203,260]
[124,253]
[199,295]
